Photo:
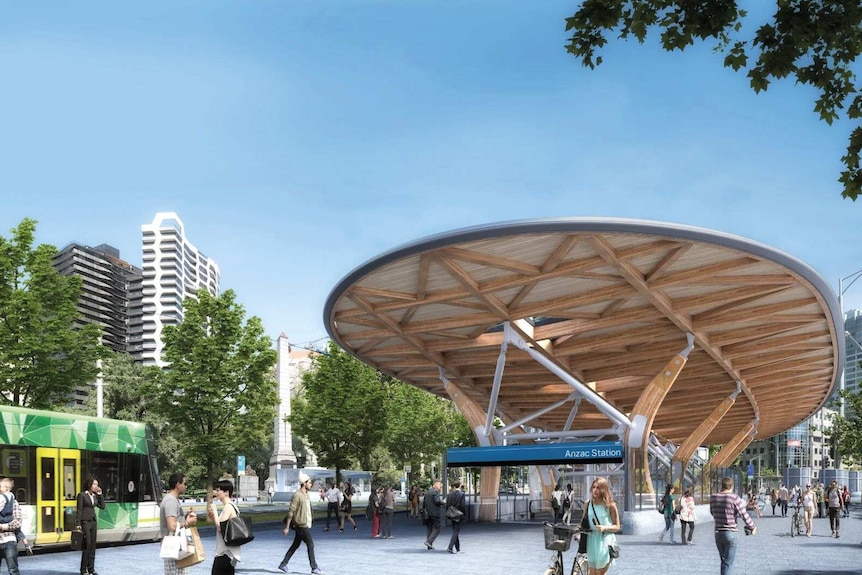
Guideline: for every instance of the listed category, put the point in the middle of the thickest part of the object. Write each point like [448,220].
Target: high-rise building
[105,280]
[853,349]
[173,270]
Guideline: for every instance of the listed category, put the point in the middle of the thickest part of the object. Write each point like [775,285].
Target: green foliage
[817,43]
[219,393]
[42,357]
[847,430]
[128,391]
[420,425]
[340,410]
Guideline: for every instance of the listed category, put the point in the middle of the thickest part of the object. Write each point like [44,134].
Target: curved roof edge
[608,225]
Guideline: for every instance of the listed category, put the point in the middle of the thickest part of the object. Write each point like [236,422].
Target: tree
[340,410]
[847,430]
[219,392]
[815,42]
[128,392]
[420,426]
[43,357]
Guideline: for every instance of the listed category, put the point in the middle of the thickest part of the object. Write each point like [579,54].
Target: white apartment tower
[173,269]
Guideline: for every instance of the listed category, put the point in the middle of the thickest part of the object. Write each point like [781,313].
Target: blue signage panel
[587,452]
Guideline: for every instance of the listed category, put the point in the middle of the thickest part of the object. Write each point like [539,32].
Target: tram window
[18,463]
[106,468]
[129,488]
[145,484]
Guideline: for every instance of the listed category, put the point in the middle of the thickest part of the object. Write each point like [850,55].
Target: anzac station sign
[583,452]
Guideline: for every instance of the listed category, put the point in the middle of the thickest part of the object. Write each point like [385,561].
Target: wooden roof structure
[610,301]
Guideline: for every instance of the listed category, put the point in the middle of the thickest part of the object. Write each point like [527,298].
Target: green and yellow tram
[49,454]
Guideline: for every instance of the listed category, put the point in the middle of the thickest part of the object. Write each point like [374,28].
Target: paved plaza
[503,548]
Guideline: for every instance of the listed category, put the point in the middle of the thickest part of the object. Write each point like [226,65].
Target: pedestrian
[751,504]
[668,509]
[687,517]
[414,501]
[725,506]
[226,557]
[602,514]
[835,504]
[347,506]
[85,521]
[7,494]
[171,515]
[845,498]
[387,511]
[808,498]
[568,498]
[820,494]
[433,501]
[271,492]
[773,499]
[458,500]
[374,504]
[556,502]
[10,525]
[300,516]
[782,499]
[334,496]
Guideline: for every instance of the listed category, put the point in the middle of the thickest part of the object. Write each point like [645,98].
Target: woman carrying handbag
[226,556]
[601,513]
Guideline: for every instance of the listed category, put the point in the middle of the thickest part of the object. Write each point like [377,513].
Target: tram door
[58,484]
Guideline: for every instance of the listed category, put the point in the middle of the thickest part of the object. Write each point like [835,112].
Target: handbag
[237,530]
[175,546]
[77,540]
[454,513]
[195,548]
[585,531]
[613,548]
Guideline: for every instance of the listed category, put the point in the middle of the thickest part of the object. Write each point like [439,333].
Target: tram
[49,454]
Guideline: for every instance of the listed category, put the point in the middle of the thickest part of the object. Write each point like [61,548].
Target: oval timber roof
[609,300]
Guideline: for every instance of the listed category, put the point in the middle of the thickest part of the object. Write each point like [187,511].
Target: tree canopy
[219,391]
[340,410]
[42,356]
[847,430]
[815,42]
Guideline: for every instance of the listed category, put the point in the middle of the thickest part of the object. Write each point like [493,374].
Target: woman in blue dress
[603,516]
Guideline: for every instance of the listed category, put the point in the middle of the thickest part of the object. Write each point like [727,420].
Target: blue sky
[297,140]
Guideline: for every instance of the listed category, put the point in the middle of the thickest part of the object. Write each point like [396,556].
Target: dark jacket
[86,510]
[433,503]
[458,500]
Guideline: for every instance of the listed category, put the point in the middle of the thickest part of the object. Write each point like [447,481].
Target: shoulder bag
[585,531]
[613,548]
[237,530]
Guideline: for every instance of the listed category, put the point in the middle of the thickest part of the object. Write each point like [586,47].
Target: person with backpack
[8,538]
[7,485]
[556,498]
[667,507]
[567,504]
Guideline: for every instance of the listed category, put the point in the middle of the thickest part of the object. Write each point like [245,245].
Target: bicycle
[558,538]
[796,521]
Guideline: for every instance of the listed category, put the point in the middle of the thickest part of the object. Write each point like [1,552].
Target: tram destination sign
[586,452]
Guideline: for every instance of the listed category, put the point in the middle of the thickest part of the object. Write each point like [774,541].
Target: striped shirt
[725,508]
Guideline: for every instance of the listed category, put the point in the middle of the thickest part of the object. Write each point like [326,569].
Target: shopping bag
[195,547]
[77,540]
[175,546]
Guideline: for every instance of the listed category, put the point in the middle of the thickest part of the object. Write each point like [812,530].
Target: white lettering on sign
[594,452]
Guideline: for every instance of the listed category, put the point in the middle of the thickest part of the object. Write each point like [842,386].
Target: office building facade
[173,270]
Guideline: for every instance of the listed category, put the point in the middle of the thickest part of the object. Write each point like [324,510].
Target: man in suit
[88,500]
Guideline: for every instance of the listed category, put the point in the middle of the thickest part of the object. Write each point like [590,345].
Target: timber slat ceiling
[611,301]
